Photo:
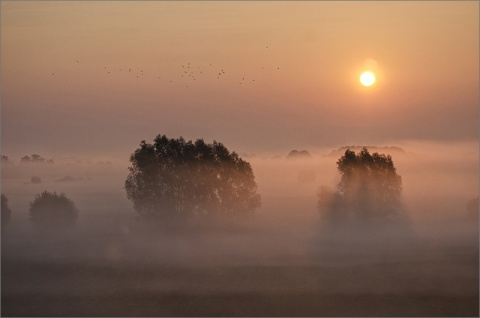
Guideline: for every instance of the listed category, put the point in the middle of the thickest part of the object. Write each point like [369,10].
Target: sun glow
[367,79]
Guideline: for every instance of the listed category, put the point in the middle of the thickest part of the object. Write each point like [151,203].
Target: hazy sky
[258,76]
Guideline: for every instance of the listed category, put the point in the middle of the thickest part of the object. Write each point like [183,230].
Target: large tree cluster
[176,178]
[369,188]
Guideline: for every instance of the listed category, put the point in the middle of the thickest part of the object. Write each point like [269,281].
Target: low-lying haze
[284,252]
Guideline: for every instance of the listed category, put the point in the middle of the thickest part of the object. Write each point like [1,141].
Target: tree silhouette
[25,159]
[369,188]
[35,158]
[5,210]
[173,177]
[295,154]
[5,160]
[53,209]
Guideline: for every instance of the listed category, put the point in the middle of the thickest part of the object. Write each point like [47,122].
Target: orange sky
[288,74]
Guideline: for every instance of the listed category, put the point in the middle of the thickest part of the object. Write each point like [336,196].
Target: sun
[367,79]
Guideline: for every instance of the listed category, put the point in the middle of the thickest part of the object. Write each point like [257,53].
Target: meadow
[282,262]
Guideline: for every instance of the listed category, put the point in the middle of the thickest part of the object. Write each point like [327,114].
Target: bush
[53,209]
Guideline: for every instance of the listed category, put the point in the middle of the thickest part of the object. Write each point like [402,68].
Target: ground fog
[284,261]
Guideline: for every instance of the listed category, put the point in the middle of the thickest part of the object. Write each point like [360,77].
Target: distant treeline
[34,158]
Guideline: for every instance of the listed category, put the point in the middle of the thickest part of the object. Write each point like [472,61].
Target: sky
[95,78]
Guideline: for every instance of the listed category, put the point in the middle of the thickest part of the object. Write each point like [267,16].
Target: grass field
[282,262]
[238,274]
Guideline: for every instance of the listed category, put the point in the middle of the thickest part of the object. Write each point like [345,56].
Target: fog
[284,261]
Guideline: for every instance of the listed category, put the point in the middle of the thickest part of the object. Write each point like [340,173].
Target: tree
[5,160]
[369,188]
[174,178]
[25,159]
[53,209]
[295,154]
[5,210]
[35,158]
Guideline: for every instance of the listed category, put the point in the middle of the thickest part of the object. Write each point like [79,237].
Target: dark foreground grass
[135,304]
[239,273]
[71,289]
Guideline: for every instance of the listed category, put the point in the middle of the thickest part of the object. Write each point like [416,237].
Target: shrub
[53,209]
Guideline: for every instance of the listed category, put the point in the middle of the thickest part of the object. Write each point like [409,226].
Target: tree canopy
[5,160]
[173,177]
[53,209]
[295,154]
[369,188]
[35,158]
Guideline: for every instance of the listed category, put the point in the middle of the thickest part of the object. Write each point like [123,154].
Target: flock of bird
[187,73]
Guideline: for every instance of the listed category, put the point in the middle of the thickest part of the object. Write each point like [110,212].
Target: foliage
[174,177]
[25,159]
[35,158]
[5,159]
[294,154]
[5,210]
[369,188]
[53,209]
